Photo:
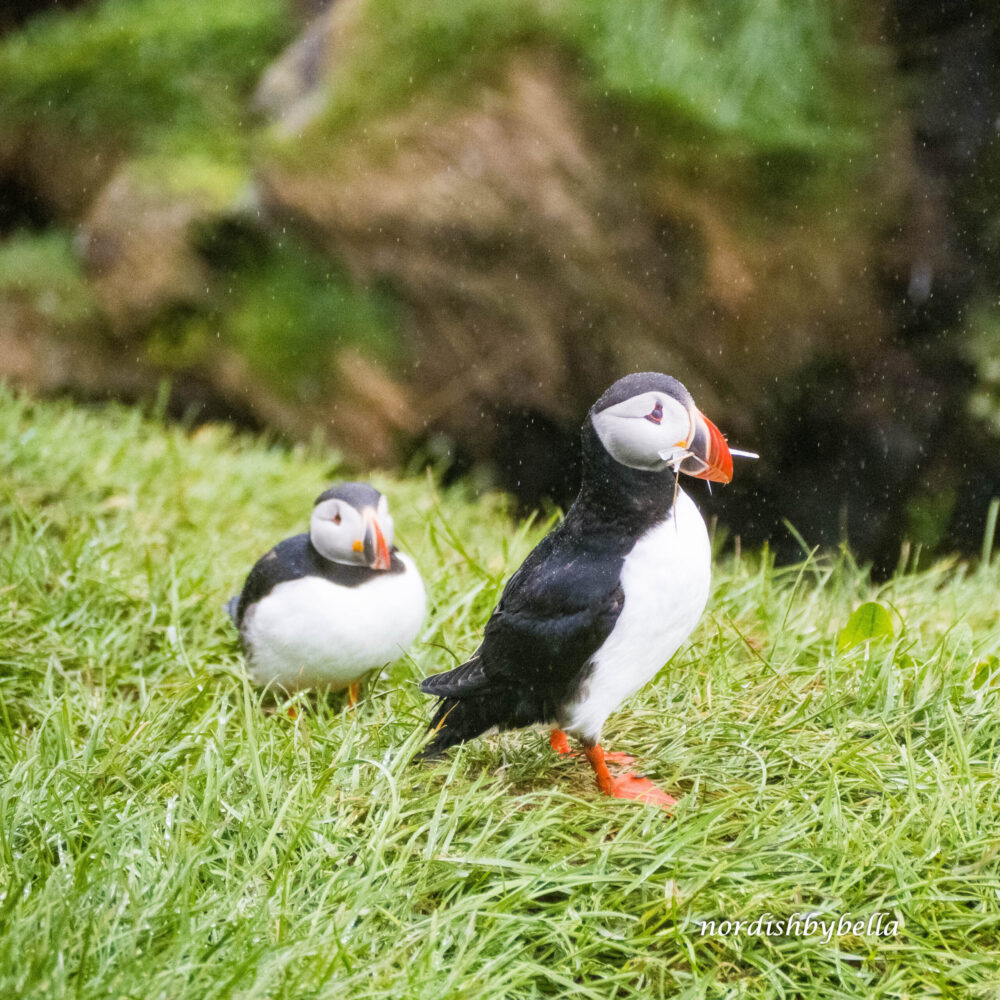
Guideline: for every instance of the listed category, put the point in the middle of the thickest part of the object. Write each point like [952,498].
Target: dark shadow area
[14,13]
[21,207]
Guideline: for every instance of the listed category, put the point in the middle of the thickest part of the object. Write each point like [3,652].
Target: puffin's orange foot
[352,694]
[559,743]
[626,786]
[632,786]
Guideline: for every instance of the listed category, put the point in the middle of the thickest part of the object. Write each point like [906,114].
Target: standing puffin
[607,597]
[322,609]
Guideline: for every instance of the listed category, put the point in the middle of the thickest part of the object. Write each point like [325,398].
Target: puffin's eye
[336,518]
[657,413]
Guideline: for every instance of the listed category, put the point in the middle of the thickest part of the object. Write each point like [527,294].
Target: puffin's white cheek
[329,540]
[634,442]
[321,535]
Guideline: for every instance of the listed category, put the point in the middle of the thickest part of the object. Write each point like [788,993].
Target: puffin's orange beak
[376,550]
[709,456]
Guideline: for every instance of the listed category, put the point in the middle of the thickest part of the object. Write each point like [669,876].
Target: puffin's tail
[461,682]
[459,719]
[232,606]
[464,709]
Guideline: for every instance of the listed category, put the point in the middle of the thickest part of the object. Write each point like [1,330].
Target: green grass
[777,76]
[167,832]
[151,74]
[768,78]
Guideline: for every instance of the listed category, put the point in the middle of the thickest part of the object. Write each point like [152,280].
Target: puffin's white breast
[665,580]
[313,633]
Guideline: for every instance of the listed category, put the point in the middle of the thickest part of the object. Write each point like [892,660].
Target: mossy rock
[543,237]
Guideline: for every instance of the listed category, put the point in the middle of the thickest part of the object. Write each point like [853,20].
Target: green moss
[180,340]
[774,77]
[283,306]
[218,181]
[150,72]
[43,270]
[295,309]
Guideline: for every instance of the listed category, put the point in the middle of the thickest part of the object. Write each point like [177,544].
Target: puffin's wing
[550,622]
[554,614]
[288,560]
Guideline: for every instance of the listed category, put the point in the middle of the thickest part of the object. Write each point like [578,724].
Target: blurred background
[437,230]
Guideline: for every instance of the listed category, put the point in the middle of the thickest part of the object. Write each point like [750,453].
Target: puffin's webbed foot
[626,786]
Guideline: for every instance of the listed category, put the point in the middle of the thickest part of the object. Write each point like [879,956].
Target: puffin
[323,608]
[608,596]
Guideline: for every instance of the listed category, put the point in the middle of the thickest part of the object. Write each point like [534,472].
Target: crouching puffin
[322,609]
[608,596]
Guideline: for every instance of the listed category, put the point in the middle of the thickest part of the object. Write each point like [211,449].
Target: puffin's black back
[560,606]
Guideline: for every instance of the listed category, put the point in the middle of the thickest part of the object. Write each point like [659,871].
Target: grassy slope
[163,834]
[157,75]
[787,83]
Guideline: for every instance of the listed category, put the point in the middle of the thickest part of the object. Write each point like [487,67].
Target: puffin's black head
[358,495]
[648,421]
[351,524]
